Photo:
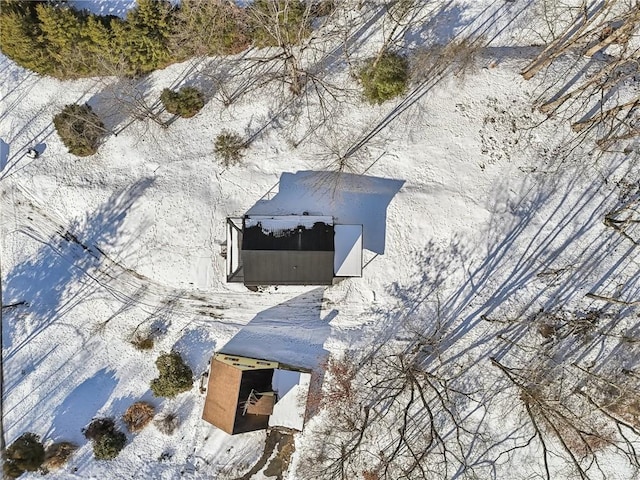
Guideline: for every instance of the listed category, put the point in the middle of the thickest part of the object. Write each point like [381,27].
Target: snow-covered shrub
[229,147]
[80,129]
[138,416]
[185,103]
[384,77]
[57,454]
[166,423]
[109,445]
[175,376]
[26,454]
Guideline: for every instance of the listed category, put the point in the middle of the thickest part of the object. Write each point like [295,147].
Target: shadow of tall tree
[425,399]
[66,268]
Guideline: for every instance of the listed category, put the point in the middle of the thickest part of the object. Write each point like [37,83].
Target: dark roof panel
[260,381]
[276,267]
[317,238]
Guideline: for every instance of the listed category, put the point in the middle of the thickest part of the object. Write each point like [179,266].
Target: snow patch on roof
[292,388]
[280,225]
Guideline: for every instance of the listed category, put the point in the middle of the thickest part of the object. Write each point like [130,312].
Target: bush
[79,129]
[385,77]
[109,445]
[142,340]
[229,147]
[175,376]
[186,102]
[26,454]
[57,454]
[11,470]
[166,423]
[138,416]
[98,428]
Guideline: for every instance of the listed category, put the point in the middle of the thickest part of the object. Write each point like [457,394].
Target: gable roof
[288,250]
[231,379]
[246,394]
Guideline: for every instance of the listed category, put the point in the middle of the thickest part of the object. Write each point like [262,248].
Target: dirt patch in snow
[279,464]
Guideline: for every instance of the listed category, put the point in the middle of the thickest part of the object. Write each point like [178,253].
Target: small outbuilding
[292,250]
[245,394]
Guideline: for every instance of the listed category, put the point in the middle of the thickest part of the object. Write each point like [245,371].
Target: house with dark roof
[245,394]
[292,250]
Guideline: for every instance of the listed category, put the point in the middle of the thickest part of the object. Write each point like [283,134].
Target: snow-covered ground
[467,197]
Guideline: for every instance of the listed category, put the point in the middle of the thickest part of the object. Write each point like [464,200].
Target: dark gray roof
[287,267]
[320,237]
[288,250]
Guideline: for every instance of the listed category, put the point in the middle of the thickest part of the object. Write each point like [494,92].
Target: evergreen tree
[175,376]
[385,77]
[80,129]
[62,28]
[26,454]
[143,39]
[186,102]
[97,45]
[21,38]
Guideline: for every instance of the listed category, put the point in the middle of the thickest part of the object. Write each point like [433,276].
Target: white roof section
[233,249]
[347,260]
[293,389]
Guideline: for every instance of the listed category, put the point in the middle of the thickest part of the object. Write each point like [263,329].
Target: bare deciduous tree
[594,103]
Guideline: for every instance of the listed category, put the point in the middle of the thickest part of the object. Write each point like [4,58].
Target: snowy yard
[483,225]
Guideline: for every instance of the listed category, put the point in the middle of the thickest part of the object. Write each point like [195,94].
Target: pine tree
[98,43]
[62,27]
[21,38]
[143,40]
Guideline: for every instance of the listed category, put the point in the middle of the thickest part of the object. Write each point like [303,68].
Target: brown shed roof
[222,395]
[231,381]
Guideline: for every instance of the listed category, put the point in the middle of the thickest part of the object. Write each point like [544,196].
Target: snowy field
[477,211]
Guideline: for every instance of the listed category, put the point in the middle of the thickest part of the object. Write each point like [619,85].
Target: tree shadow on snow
[473,300]
[4,154]
[81,406]
[45,289]
[65,270]
[195,347]
[526,238]
[543,249]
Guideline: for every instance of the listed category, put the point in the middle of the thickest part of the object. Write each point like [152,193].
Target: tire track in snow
[127,285]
